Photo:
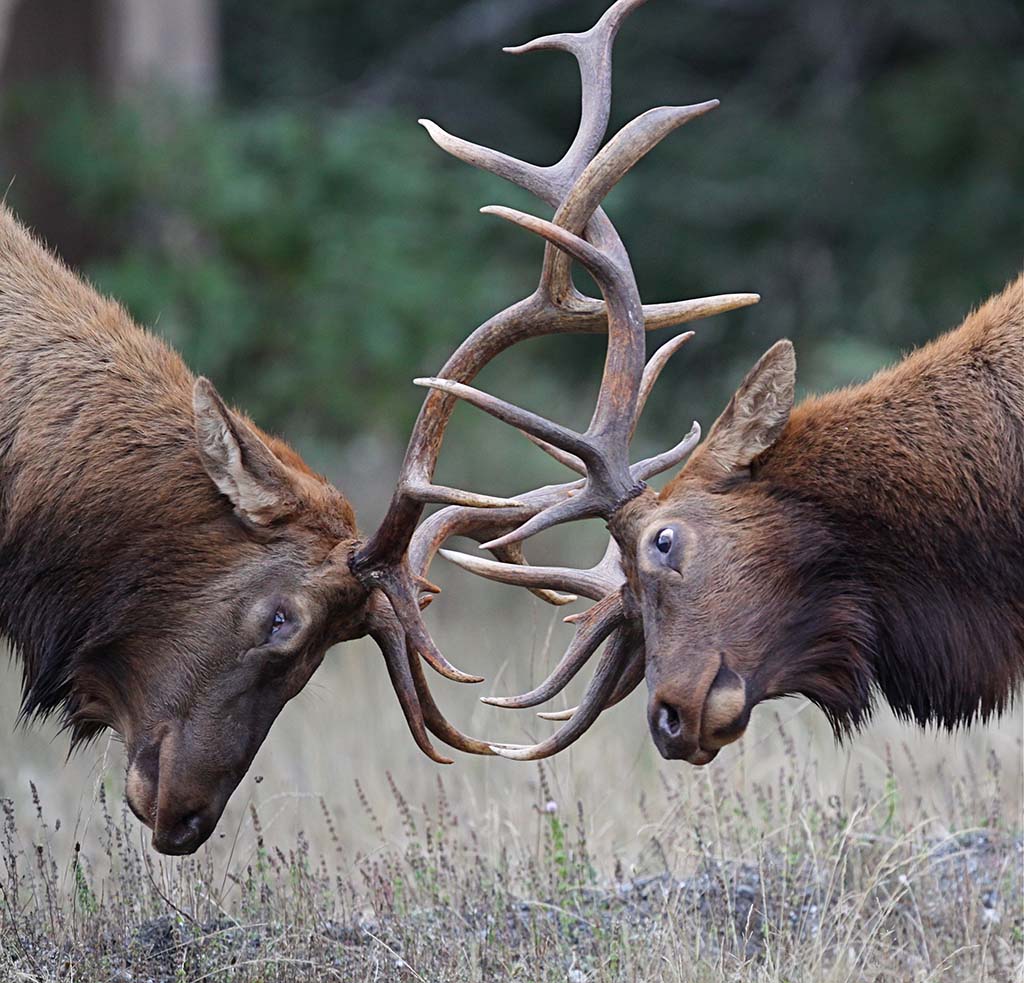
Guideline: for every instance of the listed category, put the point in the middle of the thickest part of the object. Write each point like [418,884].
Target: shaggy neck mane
[98,473]
[917,478]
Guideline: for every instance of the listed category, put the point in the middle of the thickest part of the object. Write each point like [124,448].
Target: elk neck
[917,480]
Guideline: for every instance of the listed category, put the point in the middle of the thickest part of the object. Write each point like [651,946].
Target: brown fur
[871,541]
[133,591]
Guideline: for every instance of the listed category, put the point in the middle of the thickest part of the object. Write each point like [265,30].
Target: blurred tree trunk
[6,9]
[117,49]
[113,45]
[173,45]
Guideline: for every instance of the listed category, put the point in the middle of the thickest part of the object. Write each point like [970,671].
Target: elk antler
[603,581]
[575,185]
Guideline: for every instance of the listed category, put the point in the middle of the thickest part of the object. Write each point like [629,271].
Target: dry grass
[779,885]
[898,858]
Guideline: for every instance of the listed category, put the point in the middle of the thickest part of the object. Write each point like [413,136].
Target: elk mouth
[700,757]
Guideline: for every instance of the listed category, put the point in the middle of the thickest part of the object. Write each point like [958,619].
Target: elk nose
[666,722]
[671,736]
[184,834]
[669,730]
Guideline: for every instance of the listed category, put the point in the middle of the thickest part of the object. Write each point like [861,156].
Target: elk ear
[238,461]
[757,412]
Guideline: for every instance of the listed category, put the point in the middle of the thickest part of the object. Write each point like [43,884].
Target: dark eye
[665,541]
[278,623]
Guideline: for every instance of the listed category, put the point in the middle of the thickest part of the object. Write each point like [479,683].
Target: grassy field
[345,855]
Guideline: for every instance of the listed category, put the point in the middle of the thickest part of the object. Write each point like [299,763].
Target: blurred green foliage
[304,244]
[292,257]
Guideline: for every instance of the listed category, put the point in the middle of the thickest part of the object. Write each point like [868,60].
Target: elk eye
[666,539]
[279,621]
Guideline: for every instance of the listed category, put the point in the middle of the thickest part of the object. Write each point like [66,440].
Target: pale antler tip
[462,560]
[463,677]
[506,540]
[558,715]
[512,752]
[548,42]
[437,133]
[742,300]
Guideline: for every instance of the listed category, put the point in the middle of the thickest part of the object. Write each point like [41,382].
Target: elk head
[251,569]
[246,608]
[735,585]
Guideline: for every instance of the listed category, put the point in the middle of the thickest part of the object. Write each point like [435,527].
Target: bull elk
[167,569]
[869,542]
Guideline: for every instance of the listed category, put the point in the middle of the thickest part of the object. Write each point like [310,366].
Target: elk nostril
[189,828]
[186,836]
[669,721]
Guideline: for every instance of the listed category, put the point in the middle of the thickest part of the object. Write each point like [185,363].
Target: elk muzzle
[179,800]
[693,715]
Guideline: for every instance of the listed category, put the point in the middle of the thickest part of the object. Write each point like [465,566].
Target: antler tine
[586,315]
[602,579]
[648,468]
[658,316]
[514,554]
[571,461]
[389,635]
[653,369]
[432,494]
[435,721]
[531,177]
[609,670]
[634,141]
[586,583]
[632,639]
[651,373]
[593,627]
[403,592]
[593,53]
[668,459]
